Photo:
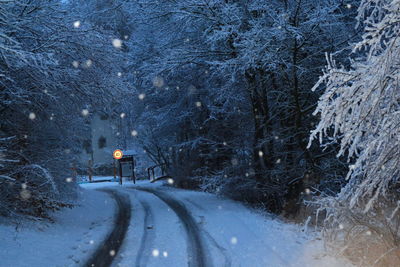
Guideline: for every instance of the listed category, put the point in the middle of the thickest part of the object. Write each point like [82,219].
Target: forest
[292,106]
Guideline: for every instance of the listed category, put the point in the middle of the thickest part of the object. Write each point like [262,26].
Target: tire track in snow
[228,261]
[147,239]
[223,251]
[196,248]
[103,257]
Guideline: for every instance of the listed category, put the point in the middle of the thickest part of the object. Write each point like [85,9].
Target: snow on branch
[361,105]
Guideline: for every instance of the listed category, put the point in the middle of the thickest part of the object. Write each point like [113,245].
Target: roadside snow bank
[68,242]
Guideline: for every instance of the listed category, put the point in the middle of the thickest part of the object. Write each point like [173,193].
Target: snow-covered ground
[69,241]
[168,227]
[233,234]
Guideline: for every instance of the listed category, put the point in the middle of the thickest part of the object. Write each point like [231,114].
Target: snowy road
[173,227]
[196,249]
[105,253]
[155,225]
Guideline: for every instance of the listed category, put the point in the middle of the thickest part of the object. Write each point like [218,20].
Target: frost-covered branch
[361,105]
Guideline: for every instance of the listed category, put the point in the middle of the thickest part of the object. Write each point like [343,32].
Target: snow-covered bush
[360,110]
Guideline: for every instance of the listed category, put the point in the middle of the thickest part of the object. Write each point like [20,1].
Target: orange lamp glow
[117,154]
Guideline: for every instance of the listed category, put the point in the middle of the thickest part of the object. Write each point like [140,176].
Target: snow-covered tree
[360,107]
[263,58]
[251,65]
[360,111]
[55,70]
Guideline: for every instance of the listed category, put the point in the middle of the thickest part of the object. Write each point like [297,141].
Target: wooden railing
[151,172]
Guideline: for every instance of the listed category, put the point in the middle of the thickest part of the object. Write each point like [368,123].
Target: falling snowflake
[234,240]
[122,115]
[165,254]
[68,180]
[77,24]
[260,153]
[348,6]
[91,242]
[112,253]
[32,116]
[198,104]
[75,64]
[155,252]
[141,96]
[88,63]
[341,226]
[158,81]
[25,194]
[85,112]
[134,133]
[170,181]
[119,74]
[278,161]
[117,43]
[307,191]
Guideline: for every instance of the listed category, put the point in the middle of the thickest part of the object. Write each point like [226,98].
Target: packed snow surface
[163,223]
[233,234]
[69,241]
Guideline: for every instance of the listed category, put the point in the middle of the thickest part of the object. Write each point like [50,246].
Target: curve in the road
[197,255]
[103,256]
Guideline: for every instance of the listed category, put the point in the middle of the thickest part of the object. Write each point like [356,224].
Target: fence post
[114,170]
[90,170]
[120,172]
